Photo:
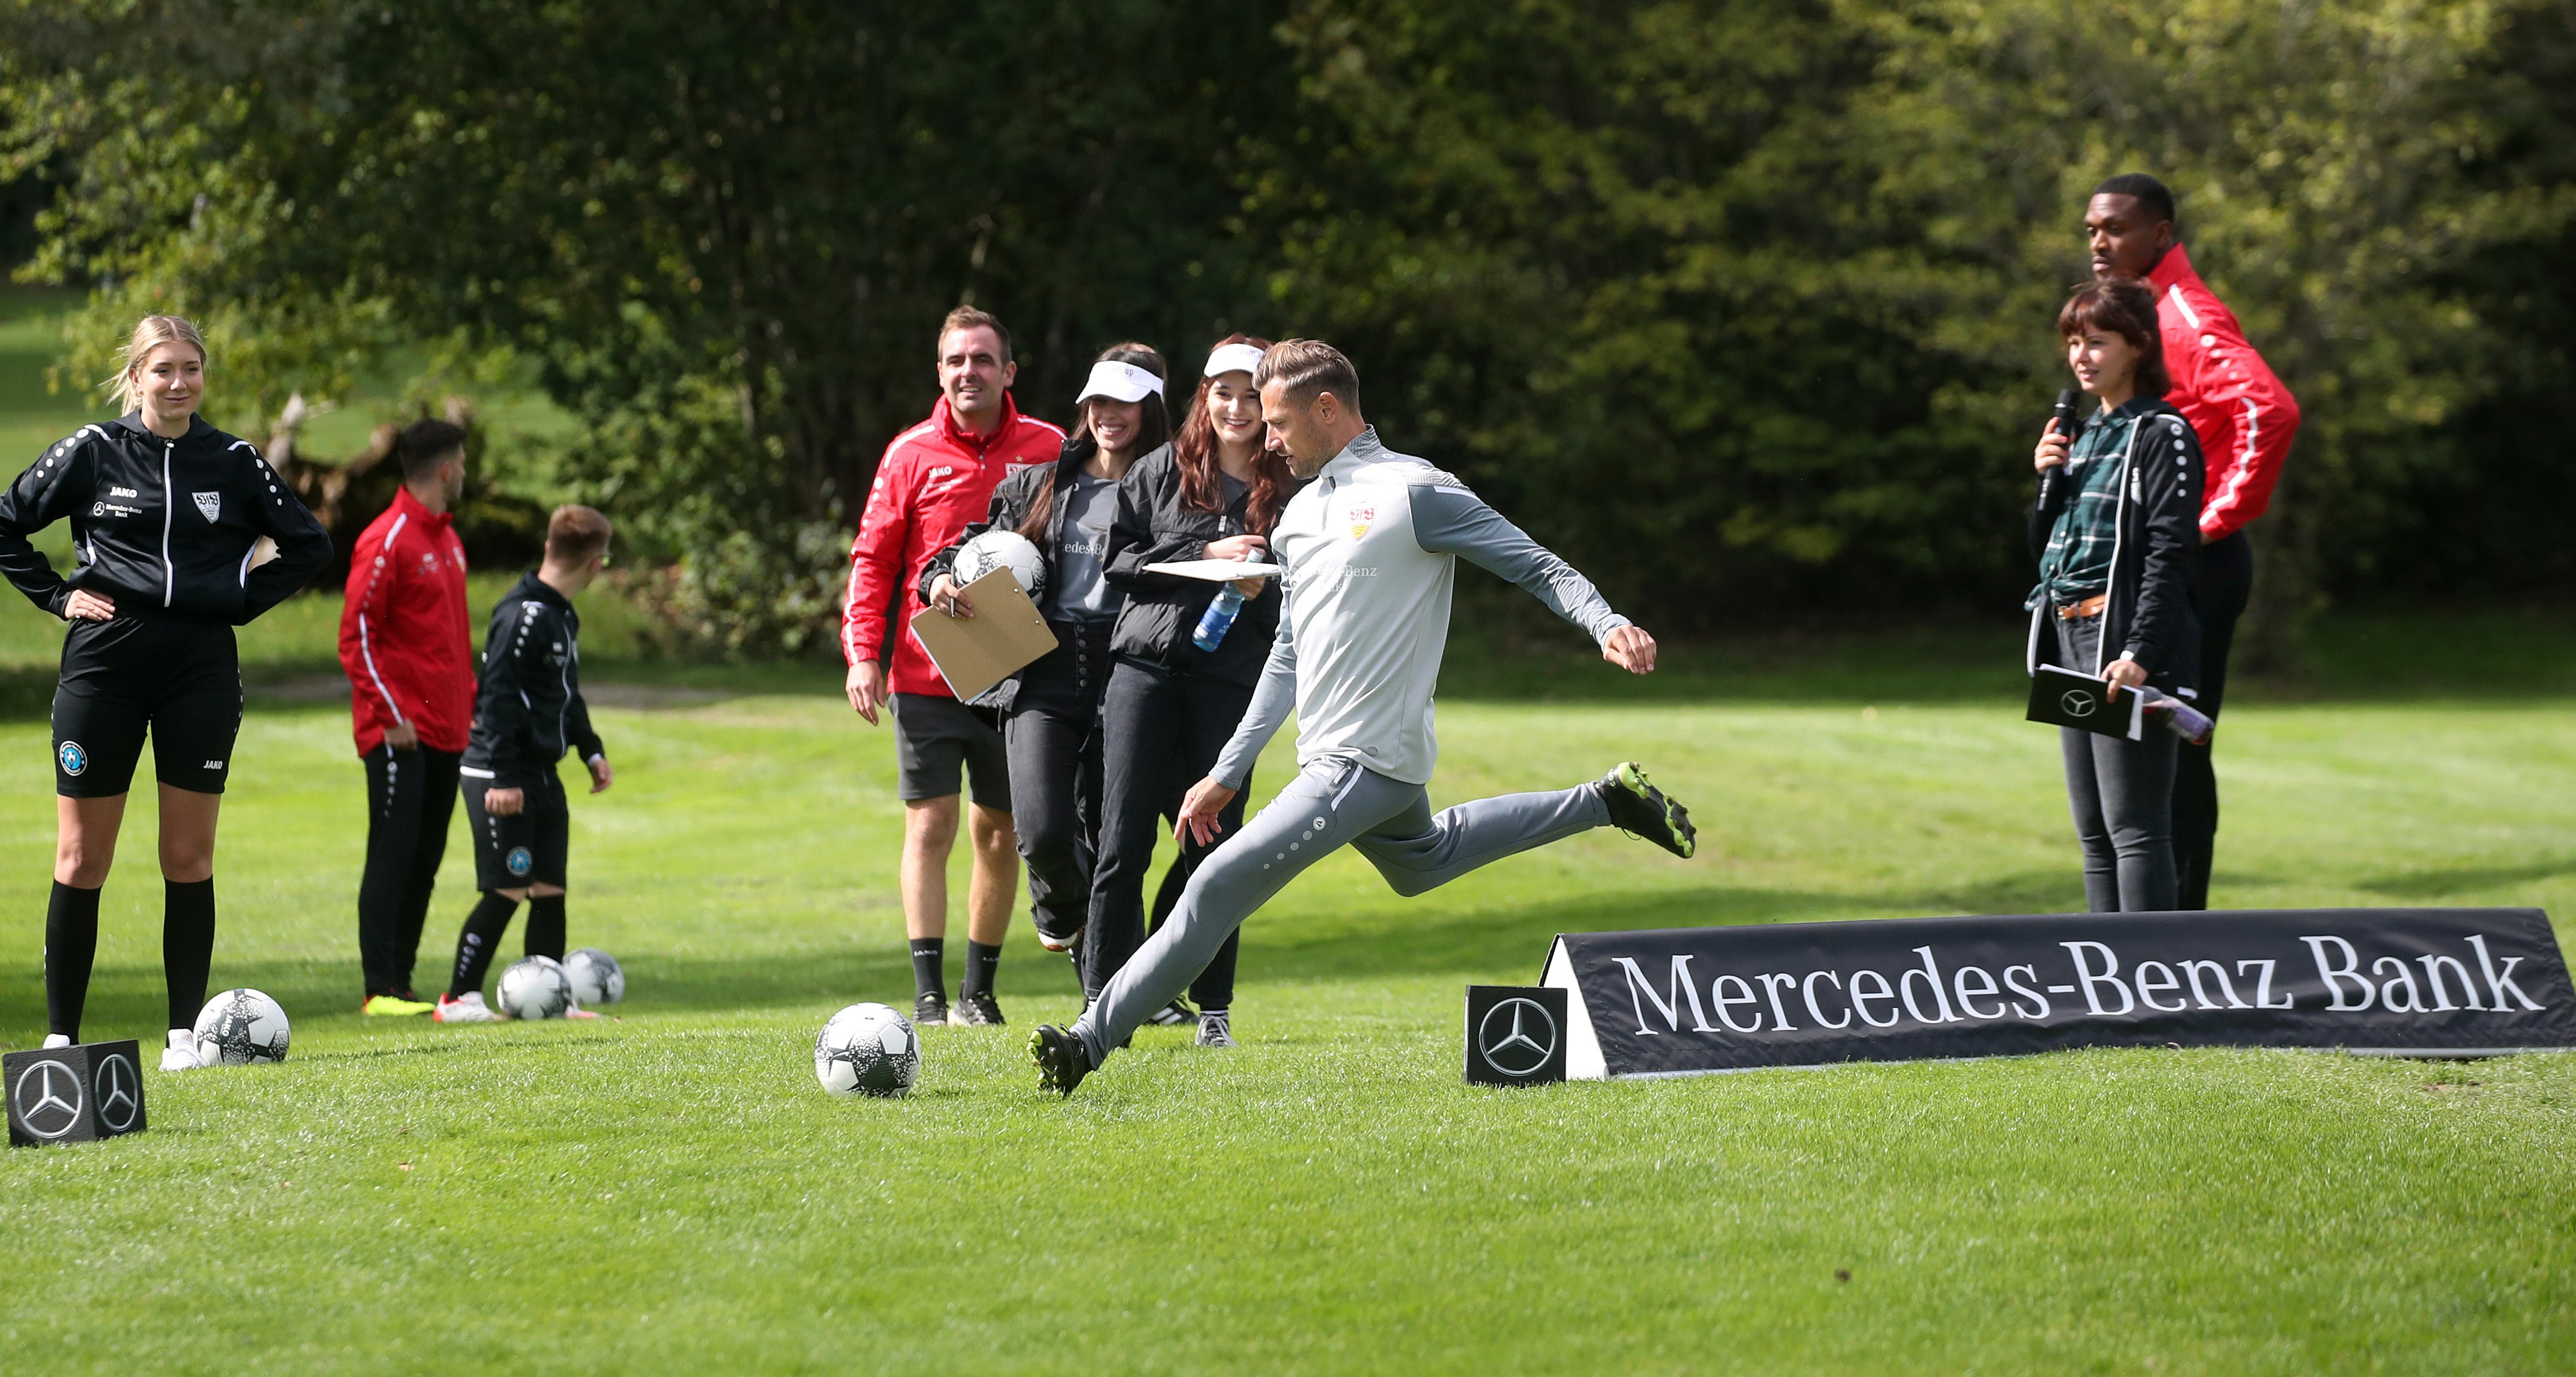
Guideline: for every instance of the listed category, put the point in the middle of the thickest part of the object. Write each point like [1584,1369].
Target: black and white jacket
[1154,526]
[529,708]
[161,526]
[2148,615]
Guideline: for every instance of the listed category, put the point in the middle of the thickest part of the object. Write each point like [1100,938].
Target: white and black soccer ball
[595,975]
[1002,550]
[241,1028]
[535,987]
[867,1049]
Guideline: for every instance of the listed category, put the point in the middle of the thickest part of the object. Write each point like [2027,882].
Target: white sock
[185,1039]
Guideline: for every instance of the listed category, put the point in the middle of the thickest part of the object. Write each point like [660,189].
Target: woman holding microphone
[166,513]
[1051,710]
[1184,673]
[2116,531]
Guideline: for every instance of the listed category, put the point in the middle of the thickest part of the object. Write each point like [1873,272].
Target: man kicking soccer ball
[1370,548]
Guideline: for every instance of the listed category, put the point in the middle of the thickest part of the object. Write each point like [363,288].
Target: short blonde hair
[576,535]
[150,333]
[1309,368]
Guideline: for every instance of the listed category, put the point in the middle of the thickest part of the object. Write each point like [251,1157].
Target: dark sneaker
[929,1010]
[975,1010]
[1640,809]
[1062,1060]
[1172,1015]
[1216,1028]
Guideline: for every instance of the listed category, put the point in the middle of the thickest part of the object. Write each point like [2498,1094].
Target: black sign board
[2411,982]
[75,1094]
[2064,698]
[1515,1035]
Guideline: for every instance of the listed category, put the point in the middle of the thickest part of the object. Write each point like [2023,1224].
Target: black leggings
[1161,734]
[411,797]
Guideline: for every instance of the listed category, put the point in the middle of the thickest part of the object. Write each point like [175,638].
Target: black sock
[71,944]
[929,956]
[981,962]
[480,942]
[187,945]
[545,933]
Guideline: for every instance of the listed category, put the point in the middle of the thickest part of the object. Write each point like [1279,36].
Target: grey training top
[1082,589]
[1371,549]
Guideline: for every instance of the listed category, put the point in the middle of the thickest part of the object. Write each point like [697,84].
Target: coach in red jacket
[405,646]
[2245,419]
[935,478]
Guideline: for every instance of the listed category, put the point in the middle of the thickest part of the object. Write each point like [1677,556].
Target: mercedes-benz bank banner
[2419,982]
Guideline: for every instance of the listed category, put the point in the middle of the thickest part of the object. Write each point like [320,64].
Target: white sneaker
[181,1054]
[469,1009]
[54,1040]
[1216,1028]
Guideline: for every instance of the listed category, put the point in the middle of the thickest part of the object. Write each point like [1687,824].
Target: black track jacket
[529,707]
[2149,614]
[1154,526]
[162,526]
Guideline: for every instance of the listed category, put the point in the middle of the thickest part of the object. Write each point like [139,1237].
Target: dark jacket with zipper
[1154,526]
[1069,678]
[2147,609]
[163,527]
[528,709]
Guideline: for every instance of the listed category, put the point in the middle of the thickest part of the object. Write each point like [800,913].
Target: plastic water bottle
[1218,619]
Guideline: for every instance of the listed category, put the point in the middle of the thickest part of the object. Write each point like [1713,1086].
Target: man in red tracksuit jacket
[409,655]
[2245,420]
[935,478]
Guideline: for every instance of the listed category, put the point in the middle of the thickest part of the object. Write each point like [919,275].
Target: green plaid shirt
[2077,563]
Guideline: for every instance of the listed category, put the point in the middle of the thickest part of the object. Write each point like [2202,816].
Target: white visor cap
[1123,382]
[1233,358]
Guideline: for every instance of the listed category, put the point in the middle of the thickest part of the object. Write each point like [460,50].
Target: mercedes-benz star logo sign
[1518,1045]
[39,1094]
[120,1093]
[2077,703]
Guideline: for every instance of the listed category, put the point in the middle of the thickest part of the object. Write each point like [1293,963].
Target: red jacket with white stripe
[404,641]
[2241,412]
[933,480]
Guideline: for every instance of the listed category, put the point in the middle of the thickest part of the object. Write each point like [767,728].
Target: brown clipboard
[1005,636]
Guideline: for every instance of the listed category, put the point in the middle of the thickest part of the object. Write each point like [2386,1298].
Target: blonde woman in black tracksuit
[1051,710]
[1172,704]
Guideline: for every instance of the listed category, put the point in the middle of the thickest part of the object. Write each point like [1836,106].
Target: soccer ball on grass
[241,1028]
[595,975]
[534,988]
[867,1049]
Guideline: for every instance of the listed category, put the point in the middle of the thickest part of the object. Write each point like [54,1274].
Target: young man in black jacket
[527,713]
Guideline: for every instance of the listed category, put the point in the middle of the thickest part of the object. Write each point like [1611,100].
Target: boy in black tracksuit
[527,712]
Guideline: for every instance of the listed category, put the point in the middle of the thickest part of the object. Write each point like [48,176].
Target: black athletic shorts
[525,848]
[177,680]
[935,738]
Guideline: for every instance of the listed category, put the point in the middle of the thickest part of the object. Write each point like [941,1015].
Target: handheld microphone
[2066,412]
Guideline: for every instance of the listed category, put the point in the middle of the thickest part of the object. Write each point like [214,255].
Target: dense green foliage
[1742,303]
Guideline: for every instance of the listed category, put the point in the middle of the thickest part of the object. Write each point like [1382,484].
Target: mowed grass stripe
[670,1192]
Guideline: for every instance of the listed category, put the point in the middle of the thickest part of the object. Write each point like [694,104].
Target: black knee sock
[929,955]
[71,944]
[187,945]
[480,942]
[981,962]
[546,925]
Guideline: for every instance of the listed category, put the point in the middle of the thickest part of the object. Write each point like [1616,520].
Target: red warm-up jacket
[404,641]
[2241,412]
[933,479]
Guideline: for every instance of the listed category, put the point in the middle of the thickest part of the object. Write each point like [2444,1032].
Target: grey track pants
[1333,802]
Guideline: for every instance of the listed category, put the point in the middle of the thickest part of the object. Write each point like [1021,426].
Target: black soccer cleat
[1062,1059]
[977,1010]
[930,1010]
[1640,809]
[1173,1015]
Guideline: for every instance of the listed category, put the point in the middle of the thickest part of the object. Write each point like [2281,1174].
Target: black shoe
[1641,810]
[975,1010]
[929,1010]
[1173,1015]
[1062,1060]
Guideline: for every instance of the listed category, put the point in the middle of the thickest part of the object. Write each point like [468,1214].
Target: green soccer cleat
[395,1006]
[1640,809]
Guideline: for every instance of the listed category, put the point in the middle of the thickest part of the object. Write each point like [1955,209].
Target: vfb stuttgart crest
[1361,515]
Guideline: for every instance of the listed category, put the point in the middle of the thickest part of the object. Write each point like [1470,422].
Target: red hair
[1194,450]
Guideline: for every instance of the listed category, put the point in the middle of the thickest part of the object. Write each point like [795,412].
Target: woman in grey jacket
[2117,539]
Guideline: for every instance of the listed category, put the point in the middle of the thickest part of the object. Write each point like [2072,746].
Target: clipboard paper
[1005,636]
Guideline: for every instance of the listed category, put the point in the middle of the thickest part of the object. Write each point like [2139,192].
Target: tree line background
[1744,305]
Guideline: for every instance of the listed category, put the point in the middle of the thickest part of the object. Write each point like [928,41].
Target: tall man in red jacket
[935,478]
[409,656]
[2245,419]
